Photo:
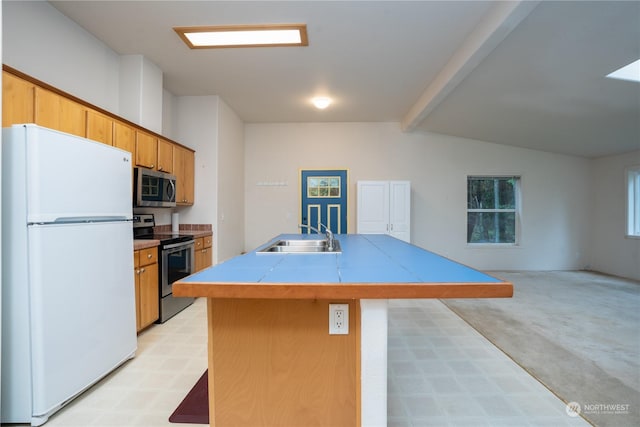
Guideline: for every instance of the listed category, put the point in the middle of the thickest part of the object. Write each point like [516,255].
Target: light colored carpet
[577,332]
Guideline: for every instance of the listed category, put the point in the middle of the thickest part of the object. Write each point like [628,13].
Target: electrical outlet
[338,319]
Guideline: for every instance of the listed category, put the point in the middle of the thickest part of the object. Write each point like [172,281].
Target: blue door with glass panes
[324,200]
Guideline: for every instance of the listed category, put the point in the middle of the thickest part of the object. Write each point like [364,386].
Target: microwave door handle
[172,196]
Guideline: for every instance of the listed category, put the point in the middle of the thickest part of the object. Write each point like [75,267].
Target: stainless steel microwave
[153,189]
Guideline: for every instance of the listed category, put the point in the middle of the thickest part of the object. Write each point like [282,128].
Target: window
[492,209]
[323,186]
[633,201]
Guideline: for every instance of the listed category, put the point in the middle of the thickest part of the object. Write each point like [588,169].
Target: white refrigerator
[68,296]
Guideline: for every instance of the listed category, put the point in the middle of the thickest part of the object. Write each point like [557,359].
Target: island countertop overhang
[369,267]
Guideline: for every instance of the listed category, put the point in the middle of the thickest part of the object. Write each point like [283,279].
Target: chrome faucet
[330,238]
[310,228]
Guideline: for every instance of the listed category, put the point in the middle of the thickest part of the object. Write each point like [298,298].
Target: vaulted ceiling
[530,74]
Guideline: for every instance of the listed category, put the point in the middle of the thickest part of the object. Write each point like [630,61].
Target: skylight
[629,72]
[244,36]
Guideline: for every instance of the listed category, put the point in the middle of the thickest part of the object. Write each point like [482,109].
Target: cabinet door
[72,117]
[198,246]
[124,137]
[56,112]
[149,295]
[146,150]
[136,275]
[373,207]
[400,210]
[99,127]
[17,100]
[183,169]
[165,156]
[47,108]
[189,177]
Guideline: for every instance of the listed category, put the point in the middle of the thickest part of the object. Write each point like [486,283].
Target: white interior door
[400,210]
[373,207]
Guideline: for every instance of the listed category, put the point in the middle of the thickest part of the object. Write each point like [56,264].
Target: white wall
[555,221]
[141,92]
[197,127]
[611,251]
[230,182]
[42,42]
[209,126]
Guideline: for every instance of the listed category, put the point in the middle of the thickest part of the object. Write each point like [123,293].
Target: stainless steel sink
[301,247]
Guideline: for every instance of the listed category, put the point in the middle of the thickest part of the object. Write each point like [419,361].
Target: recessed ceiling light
[267,35]
[321,102]
[629,72]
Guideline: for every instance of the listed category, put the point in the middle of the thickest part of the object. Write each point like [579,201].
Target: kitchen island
[272,361]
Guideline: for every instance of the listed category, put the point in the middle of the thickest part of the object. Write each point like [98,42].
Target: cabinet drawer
[198,243]
[207,241]
[148,256]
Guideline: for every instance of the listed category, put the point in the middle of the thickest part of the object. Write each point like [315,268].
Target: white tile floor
[441,373]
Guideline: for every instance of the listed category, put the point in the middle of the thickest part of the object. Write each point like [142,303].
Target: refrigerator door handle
[89,219]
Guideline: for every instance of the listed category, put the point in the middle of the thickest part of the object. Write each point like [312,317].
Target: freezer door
[72,177]
[82,307]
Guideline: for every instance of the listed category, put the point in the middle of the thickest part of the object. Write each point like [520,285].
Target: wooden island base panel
[272,361]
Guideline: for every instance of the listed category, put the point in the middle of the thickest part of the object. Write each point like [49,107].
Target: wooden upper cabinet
[165,156]
[47,108]
[146,150]
[124,137]
[25,100]
[184,170]
[17,100]
[99,127]
[57,112]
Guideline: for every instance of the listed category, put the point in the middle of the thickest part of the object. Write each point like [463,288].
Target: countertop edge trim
[344,290]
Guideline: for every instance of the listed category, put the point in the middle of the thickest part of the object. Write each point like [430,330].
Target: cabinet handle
[391,227]
[138,271]
[149,256]
[387,227]
[142,270]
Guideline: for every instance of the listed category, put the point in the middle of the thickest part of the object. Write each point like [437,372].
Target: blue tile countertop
[370,266]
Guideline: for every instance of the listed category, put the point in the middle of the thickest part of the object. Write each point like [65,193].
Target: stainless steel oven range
[176,260]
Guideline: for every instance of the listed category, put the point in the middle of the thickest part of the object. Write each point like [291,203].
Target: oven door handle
[179,244]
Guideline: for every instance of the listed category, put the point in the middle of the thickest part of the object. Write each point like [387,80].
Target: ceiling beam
[494,27]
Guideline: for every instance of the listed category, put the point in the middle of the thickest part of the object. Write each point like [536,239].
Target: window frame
[517,210]
[633,202]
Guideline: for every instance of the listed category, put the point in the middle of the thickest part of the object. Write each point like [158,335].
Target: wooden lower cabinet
[147,291]
[203,252]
